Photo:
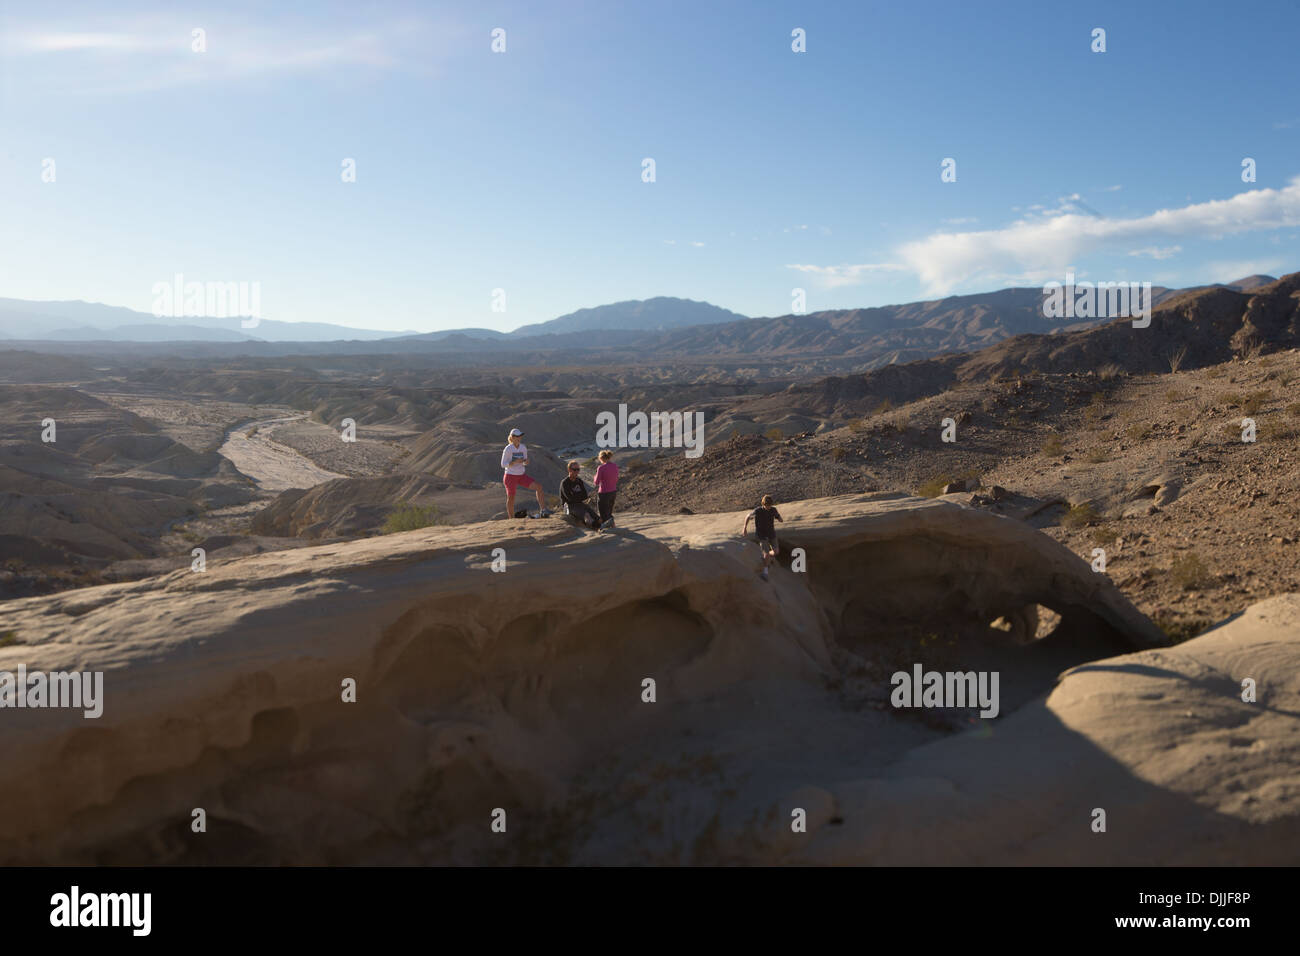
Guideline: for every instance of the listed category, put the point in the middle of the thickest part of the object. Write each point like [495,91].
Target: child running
[606,486]
[765,517]
[514,459]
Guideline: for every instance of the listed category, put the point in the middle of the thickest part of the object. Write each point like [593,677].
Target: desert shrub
[1138,431]
[934,487]
[1177,629]
[839,452]
[1097,455]
[1235,399]
[1189,572]
[1217,372]
[1109,372]
[883,407]
[1053,447]
[1080,516]
[1103,535]
[1092,415]
[8,638]
[1293,409]
[1276,429]
[409,517]
[857,425]
[251,432]
[1173,395]
[775,434]
[1255,401]
[1177,357]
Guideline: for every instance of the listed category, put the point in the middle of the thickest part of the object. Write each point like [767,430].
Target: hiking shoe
[763,574]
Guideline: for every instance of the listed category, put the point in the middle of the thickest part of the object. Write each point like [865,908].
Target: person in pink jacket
[606,486]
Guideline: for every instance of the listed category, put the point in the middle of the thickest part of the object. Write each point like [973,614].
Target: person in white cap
[514,459]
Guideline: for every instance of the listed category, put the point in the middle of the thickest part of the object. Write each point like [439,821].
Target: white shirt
[512,458]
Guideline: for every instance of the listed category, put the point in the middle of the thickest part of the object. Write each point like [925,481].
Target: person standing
[514,462]
[606,487]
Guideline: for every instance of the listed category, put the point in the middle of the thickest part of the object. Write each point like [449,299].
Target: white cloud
[1156,252]
[1226,270]
[1046,246]
[104,56]
[697,245]
[1111,189]
[960,221]
[57,42]
[833,276]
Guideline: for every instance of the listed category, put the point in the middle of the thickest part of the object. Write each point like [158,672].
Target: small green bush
[409,517]
[1189,572]
[934,487]
[1176,629]
[1103,535]
[1080,516]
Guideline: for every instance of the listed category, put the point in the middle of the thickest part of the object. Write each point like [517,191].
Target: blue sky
[522,170]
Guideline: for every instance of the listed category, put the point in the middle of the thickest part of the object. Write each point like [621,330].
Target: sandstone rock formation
[524,690]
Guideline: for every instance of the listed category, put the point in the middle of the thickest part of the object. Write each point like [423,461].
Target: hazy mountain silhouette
[661,312]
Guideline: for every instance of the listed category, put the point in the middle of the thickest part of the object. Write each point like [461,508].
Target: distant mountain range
[663,327]
[92,322]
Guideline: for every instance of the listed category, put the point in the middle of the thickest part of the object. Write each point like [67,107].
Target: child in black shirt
[765,517]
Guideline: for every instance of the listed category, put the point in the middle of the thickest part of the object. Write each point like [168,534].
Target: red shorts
[514,481]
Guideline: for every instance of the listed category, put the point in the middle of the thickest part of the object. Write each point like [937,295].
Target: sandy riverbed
[273,466]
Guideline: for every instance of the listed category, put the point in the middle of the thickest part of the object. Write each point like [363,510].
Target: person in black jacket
[574,494]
